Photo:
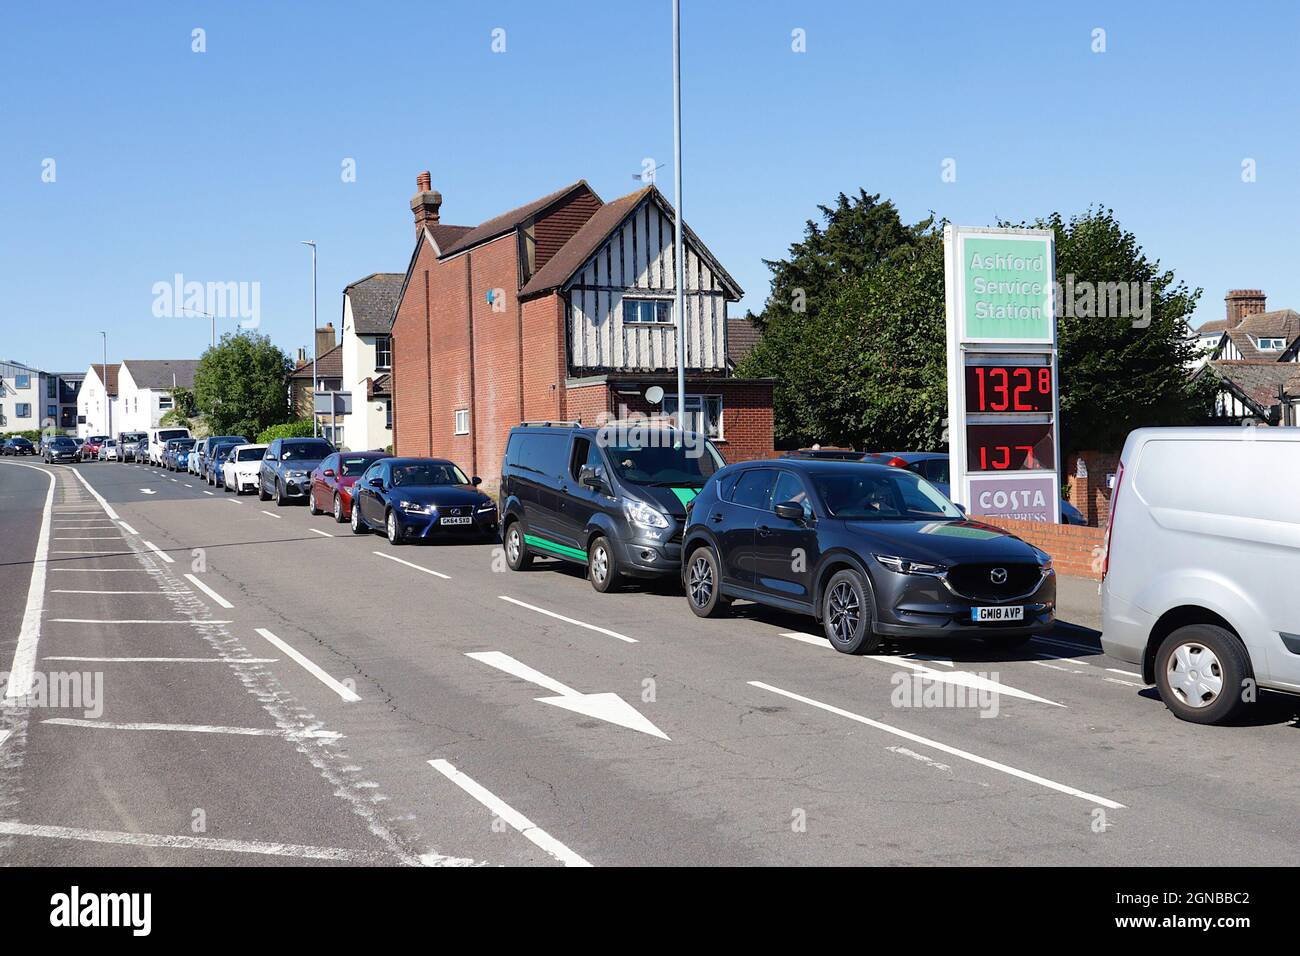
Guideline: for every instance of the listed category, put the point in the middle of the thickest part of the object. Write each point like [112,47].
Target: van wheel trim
[513,543]
[600,563]
[1195,674]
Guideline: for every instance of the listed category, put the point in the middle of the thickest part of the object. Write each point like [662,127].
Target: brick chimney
[324,339]
[425,203]
[1242,303]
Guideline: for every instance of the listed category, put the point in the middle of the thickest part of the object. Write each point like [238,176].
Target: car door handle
[764,531]
[716,517]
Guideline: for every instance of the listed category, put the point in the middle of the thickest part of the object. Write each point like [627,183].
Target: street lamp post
[679,298]
[314,385]
[108,399]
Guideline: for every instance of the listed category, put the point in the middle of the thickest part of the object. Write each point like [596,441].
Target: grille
[973,581]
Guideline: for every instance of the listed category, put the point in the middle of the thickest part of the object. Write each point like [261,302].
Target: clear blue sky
[216,164]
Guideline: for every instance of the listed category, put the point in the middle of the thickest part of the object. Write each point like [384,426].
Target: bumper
[1125,628]
[917,606]
[429,527]
[649,556]
[297,487]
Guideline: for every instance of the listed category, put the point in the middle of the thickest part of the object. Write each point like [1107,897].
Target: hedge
[298,429]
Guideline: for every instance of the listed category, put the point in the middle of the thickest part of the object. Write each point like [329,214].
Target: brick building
[1254,355]
[561,309]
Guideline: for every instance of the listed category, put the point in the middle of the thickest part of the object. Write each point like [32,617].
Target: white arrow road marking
[147,491]
[935,745]
[606,706]
[963,678]
[503,811]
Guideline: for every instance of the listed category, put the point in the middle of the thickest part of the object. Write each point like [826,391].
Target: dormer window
[1271,345]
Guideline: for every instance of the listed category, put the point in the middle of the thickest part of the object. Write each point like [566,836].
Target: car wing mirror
[790,511]
[959,507]
[377,483]
[591,478]
[476,481]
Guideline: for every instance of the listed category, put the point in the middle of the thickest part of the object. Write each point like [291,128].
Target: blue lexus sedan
[421,498]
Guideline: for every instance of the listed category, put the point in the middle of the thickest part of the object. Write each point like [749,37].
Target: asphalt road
[276,690]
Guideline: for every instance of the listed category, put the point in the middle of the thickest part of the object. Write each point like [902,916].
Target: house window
[388,413]
[703,414]
[383,351]
[51,388]
[22,381]
[165,401]
[23,410]
[647,311]
[51,411]
[462,421]
[332,434]
[1272,345]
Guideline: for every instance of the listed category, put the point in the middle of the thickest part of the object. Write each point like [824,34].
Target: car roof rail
[574,423]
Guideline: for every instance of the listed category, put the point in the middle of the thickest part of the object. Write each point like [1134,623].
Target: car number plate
[456,520]
[983,614]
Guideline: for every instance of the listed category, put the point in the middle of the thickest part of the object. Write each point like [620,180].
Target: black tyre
[517,556]
[280,499]
[393,528]
[1201,673]
[262,493]
[704,584]
[338,509]
[311,504]
[848,613]
[602,566]
[359,525]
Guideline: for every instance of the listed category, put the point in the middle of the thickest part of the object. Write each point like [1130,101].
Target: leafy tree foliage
[241,384]
[302,428]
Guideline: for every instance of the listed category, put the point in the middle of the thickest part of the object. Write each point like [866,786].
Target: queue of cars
[867,545]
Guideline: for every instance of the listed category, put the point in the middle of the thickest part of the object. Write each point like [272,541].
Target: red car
[332,481]
[90,448]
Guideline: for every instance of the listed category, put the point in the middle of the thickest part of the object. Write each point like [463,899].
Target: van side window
[585,452]
[543,453]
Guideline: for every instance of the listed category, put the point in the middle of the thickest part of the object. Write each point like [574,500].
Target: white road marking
[234,501]
[608,707]
[1126,683]
[436,574]
[102,554]
[935,745]
[168,841]
[148,491]
[345,692]
[85,537]
[206,492]
[1081,648]
[1116,670]
[208,591]
[963,678]
[160,552]
[323,534]
[1066,670]
[108,509]
[271,514]
[569,620]
[1059,657]
[503,811]
[4,735]
[104,570]
[168,660]
[188,485]
[80,591]
[23,670]
[903,751]
[84,620]
[196,729]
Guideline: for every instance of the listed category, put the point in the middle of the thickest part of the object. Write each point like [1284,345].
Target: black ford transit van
[613,498]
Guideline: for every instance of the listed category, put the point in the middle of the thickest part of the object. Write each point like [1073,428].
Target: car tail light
[897,462]
[1110,521]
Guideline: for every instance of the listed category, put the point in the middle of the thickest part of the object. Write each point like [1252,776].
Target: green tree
[183,410]
[302,428]
[241,384]
[855,236]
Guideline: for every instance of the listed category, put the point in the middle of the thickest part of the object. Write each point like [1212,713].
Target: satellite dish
[654,394]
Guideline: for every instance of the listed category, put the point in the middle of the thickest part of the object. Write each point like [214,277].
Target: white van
[159,437]
[1201,574]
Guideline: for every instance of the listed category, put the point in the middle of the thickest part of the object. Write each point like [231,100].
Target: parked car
[868,550]
[198,463]
[930,465]
[239,470]
[421,498]
[108,450]
[158,439]
[214,457]
[90,447]
[613,499]
[333,479]
[286,468]
[127,444]
[1200,567]
[17,446]
[60,450]
[141,453]
[174,451]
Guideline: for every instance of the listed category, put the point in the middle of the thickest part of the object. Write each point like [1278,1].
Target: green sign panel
[1008,289]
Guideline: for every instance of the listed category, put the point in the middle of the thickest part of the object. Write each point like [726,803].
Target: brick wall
[1075,550]
[1089,493]
[746,414]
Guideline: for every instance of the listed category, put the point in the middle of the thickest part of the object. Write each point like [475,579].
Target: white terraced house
[367,347]
[97,402]
[145,391]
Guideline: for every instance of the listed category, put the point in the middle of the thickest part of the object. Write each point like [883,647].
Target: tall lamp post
[680,297]
[108,399]
[314,385]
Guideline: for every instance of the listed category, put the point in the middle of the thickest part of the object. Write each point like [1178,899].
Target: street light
[314,386]
[108,399]
[679,298]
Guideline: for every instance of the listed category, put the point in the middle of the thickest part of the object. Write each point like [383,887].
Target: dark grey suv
[285,474]
[613,498]
[869,550]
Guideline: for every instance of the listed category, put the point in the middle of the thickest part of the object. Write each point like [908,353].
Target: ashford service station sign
[1003,406]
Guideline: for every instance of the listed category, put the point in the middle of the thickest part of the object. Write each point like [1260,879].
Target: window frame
[456,426]
[383,346]
[658,303]
[696,404]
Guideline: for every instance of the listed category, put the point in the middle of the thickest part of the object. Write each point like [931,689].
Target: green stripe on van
[562,549]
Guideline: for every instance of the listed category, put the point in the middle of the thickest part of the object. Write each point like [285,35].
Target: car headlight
[643,516]
[486,506]
[297,474]
[907,566]
[416,507]
[1045,568]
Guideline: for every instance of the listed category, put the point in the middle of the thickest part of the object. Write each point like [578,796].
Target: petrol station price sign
[1003,401]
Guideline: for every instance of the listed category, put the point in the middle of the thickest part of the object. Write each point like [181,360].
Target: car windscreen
[666,462]
[250,454]
[221,451]
[63,443]
[169,433]
[184,444]
[428,473]
[305,450]
[881,495]
[354,466]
